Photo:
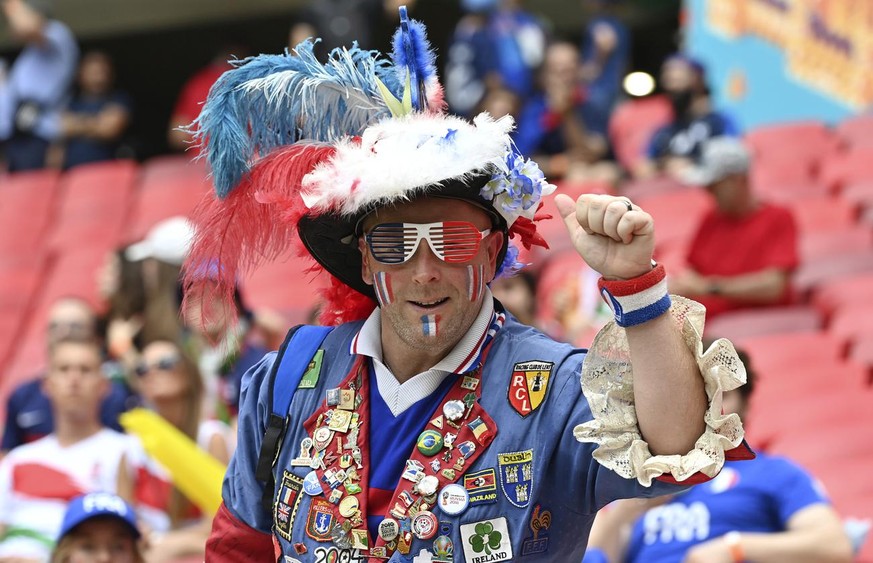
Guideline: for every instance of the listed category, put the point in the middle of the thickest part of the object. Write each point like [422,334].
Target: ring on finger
[630,206]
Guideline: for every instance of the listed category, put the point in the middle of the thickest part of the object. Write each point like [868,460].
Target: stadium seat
[652,187]
[807,141]
[855,131]
[777,175]
[632,125]
[176,196]
[677,214]
[843,169]
[851,321]
[843,291]
[27,207]
[808,277]
[770,320]
[822,213]
[816,245]
[283,286]
[826,442]
[859,193]
[774,351]
[861,352]
[162,168]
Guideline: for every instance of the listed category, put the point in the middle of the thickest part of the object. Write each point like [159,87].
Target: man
[33,94]
[80,456]
[436,423]
[768,509]
[676,146]
[745,250]
[28,411]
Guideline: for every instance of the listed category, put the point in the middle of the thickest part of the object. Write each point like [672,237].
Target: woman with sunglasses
[171,385]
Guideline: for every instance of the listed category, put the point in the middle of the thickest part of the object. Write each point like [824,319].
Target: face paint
[429,324]
[475,281]
[382,286]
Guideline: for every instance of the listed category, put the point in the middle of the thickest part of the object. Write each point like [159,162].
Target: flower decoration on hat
[300,151]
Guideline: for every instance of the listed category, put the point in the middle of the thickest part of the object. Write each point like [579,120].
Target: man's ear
[366,271]
[493,244]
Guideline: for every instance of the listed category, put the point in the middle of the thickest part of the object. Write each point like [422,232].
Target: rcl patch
[528,386]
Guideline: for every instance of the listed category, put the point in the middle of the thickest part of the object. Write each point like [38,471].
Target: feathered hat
[301,151]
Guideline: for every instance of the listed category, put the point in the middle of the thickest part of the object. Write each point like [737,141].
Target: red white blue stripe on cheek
[429,324]
[475,281]
[382,286]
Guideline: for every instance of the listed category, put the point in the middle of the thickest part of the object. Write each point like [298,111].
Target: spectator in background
[339,22]
[28,409]
[551,126]
[171,385]
[96,118]
[37,86]
[496,45]
[766,509]
[98,528]
[80,456]
[518,293]
[193,94]
[605,53]
[120,285]
[676,146]
[745,250]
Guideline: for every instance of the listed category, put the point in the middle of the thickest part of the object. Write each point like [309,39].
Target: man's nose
[425,264]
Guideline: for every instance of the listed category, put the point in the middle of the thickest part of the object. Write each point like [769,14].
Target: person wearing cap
[744,250]
[766,509]
[428,424]
[677,145]
[98,528]
[80,456]
[35,89]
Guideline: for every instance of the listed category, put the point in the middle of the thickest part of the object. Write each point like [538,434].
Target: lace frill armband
[607,382]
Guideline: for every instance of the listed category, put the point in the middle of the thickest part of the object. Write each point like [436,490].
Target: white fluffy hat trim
[398,156]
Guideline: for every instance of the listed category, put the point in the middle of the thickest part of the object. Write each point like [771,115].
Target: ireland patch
[486,541]
[516,476]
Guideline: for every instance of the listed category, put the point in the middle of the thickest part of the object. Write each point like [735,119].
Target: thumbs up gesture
[615,237]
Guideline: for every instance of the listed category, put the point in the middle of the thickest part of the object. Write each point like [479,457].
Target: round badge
[348,506]
[424,525]
[428,485]
[389,529]
[430,442]
[453,499]
[454,410]
[322,437]
[311,486]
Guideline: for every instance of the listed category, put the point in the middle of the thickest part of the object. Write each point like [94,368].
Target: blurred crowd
[60,108]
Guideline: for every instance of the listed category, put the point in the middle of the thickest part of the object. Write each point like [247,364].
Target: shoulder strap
[284,378]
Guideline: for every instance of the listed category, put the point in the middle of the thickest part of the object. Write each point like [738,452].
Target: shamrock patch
[486,541]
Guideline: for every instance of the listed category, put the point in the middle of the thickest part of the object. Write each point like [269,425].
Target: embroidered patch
[320,521]
[286,503]
[481,486]
[334,554]
[313,371]
[516,476]
[530,381]
[540,522]
[486,541]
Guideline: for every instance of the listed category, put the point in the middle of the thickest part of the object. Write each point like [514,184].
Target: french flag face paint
[429,324]
[382,286]
[475,281]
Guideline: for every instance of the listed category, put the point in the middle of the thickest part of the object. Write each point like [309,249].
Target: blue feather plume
[413,58]
[269,101]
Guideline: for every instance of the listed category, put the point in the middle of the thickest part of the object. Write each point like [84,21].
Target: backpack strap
[284,378]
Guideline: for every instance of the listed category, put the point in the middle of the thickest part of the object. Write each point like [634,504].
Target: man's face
[74,381]
[428,304]
[677,76]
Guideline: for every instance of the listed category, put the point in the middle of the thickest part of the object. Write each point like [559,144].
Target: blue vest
[534,491]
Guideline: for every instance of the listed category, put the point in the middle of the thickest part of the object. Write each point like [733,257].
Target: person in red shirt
[745,250]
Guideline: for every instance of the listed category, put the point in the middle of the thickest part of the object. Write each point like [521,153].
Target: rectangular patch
[516,476]
[481,486]
[486,541]
[286,503]
[313,371]
[540,522]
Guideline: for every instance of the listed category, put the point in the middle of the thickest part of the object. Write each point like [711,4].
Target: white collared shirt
[400,396]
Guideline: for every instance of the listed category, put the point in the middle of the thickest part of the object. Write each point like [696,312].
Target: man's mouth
[431,304]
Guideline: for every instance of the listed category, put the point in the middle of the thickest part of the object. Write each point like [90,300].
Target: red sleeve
[232,540]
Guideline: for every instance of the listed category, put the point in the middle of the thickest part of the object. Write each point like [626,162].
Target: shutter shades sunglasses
[453,242]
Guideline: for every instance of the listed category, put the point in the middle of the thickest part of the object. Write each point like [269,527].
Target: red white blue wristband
[637,300]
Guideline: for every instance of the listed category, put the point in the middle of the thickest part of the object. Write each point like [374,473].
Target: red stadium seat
[777,177]
[817,245]
[843,291]
[843,169]
[162,168]
[774,351]
[855,131]
[859,193]
[27,205]
[677,214]
[807,141]
[757,322]
[851,321]
[810,276]
[822,213]
[861,352]
[632,125]
[846,441]
[284,286]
